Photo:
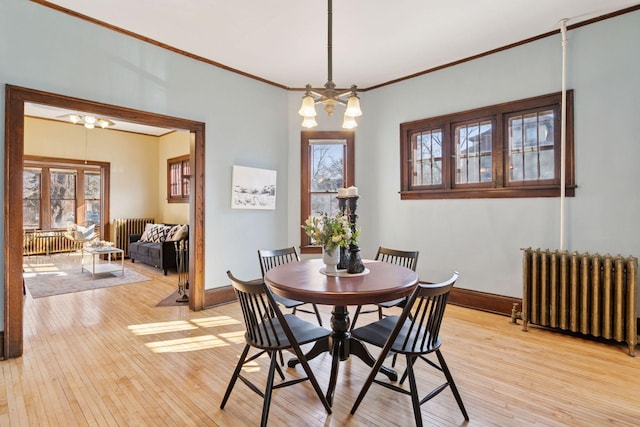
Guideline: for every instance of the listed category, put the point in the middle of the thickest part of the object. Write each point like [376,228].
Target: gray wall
[482,238]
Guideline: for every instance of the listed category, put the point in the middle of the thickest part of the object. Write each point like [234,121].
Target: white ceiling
[54,113]
[374,41]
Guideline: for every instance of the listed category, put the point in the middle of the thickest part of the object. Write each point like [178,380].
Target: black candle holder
[349,205]
[343,264]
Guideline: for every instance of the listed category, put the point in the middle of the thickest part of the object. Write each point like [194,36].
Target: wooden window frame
[500,187]
[182,198]
[305,176]
[79,166]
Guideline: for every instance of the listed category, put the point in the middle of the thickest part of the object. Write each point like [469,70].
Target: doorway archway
[16,97]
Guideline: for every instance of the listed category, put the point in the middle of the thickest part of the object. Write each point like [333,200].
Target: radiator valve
[515,314]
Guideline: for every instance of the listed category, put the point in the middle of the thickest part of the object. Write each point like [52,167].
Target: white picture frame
[253,188]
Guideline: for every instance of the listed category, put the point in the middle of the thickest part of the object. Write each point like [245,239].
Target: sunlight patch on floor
[162,327]
[211,322]
[181,345]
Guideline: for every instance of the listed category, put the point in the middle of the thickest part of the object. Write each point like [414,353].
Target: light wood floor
[110,357]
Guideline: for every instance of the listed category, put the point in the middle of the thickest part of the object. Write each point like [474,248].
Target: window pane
[31,194]
[62,213]
[473,152]
[486,172]
[324,202]
[186,175]
[530,130]
[31,214]
[63,198]
[545,128]
[91,185]
[427,157]
[530,166]
[92,197]
[327,167]
[515,167]
[515,133]
[547,164]
[176,177]
[531,144]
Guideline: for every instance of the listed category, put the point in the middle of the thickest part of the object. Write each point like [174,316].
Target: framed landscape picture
[253,188]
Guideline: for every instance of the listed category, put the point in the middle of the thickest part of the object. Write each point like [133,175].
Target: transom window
[506,150]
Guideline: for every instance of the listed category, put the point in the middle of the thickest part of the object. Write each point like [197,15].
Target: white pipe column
[563,133]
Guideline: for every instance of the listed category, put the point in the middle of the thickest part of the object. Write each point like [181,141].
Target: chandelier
[328,95]
[88,121]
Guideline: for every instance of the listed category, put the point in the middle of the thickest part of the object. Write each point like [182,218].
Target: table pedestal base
[341,345]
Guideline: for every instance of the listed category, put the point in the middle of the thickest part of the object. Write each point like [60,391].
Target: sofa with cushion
[156,246]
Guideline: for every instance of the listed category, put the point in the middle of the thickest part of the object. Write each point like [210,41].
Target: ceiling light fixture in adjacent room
[328,95]
[88,121]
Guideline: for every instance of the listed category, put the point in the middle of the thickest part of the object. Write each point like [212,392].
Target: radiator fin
[123,227]
[582,293]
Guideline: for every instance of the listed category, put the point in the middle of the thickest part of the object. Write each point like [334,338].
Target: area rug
[47,283]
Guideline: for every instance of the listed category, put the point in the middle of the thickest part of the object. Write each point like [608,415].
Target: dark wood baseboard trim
[217,296]
[484,301]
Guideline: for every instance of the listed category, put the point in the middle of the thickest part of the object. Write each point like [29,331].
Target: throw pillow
[178,232]
[158,233]
[145,234]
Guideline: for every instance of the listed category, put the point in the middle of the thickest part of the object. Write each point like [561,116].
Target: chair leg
[355,317]
[372,375]
[315,308]
[415,401]
[452,384]
[312,378]
[404,375]
[267,391]
[275,356]
[235,375]
[379,313]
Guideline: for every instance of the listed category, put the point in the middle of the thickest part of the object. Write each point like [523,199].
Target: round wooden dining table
[304,281]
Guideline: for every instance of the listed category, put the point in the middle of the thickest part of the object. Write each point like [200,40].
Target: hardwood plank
[110,357]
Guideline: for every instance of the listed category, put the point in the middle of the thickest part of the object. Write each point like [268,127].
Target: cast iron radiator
[122,227]
[582,293]
[46,242]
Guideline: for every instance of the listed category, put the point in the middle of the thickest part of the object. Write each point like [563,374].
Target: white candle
[342,192]
[352,191]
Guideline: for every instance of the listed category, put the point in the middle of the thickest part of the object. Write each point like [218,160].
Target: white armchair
[80,234]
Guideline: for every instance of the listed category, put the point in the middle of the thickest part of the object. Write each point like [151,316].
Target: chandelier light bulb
[349,122]
[309,122]
[308,107]
[90,120]
[353,106]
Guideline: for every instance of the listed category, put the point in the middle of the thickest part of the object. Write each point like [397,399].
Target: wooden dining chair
[407,259]
[415,334]
[270,258]
[269,331]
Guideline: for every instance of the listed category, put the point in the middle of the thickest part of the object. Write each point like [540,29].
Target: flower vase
[331,258]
